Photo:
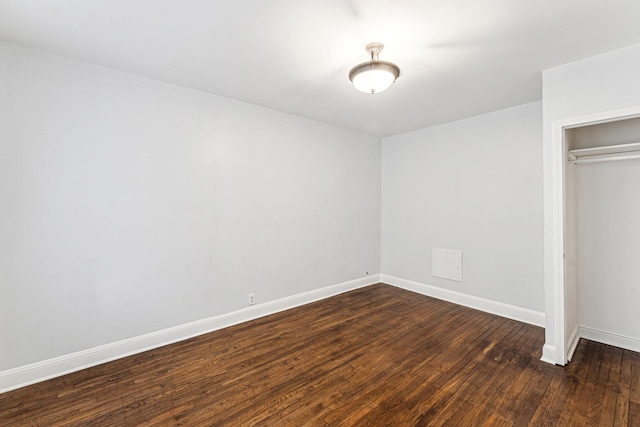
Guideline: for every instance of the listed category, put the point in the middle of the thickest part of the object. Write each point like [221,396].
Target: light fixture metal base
[374,49]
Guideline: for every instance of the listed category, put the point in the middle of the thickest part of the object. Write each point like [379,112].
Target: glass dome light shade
[374,76]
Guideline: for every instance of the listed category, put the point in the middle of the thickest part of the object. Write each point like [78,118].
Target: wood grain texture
[374,356]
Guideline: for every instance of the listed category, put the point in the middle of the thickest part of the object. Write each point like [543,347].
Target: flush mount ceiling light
[374,76]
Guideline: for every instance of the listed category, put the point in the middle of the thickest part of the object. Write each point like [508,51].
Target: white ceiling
[459,57]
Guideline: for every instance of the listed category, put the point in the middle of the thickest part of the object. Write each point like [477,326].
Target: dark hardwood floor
[374,356]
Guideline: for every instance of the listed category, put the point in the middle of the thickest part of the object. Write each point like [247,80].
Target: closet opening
[597,284]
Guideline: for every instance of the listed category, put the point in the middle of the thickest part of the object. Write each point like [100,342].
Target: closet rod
[605,153]
[605,158]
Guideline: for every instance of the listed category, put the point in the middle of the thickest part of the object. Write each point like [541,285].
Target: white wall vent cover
[446,263]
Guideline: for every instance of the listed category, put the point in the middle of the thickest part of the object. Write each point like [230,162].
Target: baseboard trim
[573,342]
[501,309]
[610,338]
[22,376]
[549,354]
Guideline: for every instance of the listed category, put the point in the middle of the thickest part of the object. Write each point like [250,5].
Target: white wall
[608,209]
[473,185]
[129,205]
[592,86]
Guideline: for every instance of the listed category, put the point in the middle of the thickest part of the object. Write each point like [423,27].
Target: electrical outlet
[252,299]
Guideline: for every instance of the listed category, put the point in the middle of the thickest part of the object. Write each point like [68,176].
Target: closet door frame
[556,223]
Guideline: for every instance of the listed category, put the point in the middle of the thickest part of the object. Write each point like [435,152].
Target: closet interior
[602,234]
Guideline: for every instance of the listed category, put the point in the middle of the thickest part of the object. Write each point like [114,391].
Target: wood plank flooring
[374,356]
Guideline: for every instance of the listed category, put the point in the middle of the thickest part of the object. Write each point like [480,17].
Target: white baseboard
[12,379]
[505,310]
[573,342]
[549,354]
[610,338]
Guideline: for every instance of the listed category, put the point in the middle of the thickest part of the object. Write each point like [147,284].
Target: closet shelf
[605,154]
